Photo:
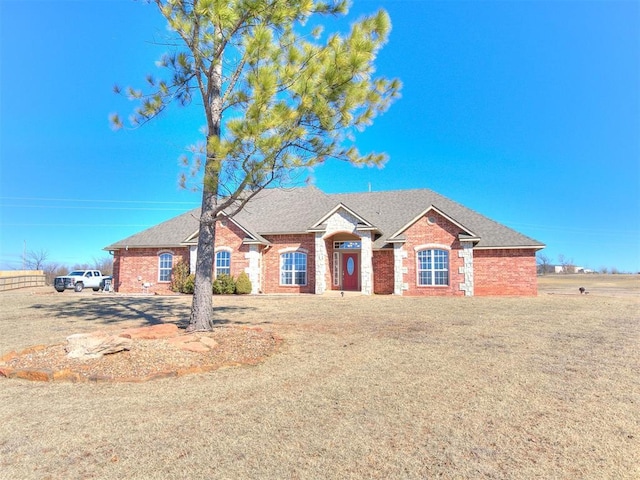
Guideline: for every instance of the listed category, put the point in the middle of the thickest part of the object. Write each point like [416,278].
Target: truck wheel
[60,290]
[96,289]
[78,286]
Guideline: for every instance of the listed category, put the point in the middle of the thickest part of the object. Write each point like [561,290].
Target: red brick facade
[136,267]
[502,272]
[509,272]
[271,263]
[383,276]
[433,231]
[229,237]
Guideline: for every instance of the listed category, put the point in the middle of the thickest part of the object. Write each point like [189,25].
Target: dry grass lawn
[363,387]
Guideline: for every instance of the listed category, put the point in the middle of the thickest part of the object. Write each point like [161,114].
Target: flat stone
[34,349]
[9,356]
[197,347]
[209,342]
[35,375]
[7,372]
[181,339]
[66,375]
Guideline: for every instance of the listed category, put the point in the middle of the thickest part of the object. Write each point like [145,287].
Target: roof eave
[510,247]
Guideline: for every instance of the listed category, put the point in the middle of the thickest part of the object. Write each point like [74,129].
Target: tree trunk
[202,303]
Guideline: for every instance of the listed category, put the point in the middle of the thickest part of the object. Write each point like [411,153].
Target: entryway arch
[345,261]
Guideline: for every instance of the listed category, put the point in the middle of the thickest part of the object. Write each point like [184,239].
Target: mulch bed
[149,358]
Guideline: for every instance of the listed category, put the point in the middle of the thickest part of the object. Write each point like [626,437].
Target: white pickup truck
[79,279]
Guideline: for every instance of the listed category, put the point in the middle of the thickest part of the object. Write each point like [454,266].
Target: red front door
[350,271]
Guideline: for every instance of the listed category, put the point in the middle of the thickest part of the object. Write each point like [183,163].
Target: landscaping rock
[194,347]
[86,345]
[209,342]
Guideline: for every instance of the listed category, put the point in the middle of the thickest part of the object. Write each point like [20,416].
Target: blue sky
[525,111]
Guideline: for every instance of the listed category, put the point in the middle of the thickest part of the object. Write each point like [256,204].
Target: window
[433,267]
[293,268]
[223,263]
[166,264]
[347,245]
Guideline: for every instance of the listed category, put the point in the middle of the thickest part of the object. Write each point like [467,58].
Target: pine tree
[277,96]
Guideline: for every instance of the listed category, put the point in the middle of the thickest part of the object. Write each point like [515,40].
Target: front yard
[362,387]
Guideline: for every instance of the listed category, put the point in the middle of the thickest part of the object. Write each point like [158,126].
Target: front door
[350,271]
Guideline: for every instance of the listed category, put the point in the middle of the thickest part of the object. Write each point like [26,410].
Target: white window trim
[229,250]
[433,246]
[293,249]
[306,271]
[337,243]
[160,254]
[336,269]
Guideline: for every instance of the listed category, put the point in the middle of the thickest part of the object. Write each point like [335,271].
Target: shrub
[243,284]
[189,284]
[179,276]
[224,285]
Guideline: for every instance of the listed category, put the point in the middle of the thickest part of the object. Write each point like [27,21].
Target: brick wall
[130,264]
[440,232]
[505,272]
[496,272]
[229,235]
[383,272]
[271,263]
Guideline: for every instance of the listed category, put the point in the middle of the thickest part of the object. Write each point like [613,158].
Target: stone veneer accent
[466,253]
[343,222]
[321,263]
[366,264]
[253,270]
[193,256]
[399,254]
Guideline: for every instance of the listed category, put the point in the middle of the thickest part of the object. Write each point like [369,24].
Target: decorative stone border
[169,332]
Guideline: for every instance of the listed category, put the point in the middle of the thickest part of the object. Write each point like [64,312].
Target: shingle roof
[394,209]
[296,210]
[171,233]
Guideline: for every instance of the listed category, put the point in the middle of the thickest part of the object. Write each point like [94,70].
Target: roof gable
[467,232]
[251,236]
[362,224]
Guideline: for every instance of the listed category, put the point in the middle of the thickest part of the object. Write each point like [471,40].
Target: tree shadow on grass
[114,310]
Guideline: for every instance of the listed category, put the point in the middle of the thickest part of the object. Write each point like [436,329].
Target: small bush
[243,284]
[179,276]
[189,284]
[224,285]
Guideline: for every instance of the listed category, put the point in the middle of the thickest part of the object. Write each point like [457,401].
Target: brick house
[302,240]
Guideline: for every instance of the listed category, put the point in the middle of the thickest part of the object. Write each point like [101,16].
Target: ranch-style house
[302,240]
